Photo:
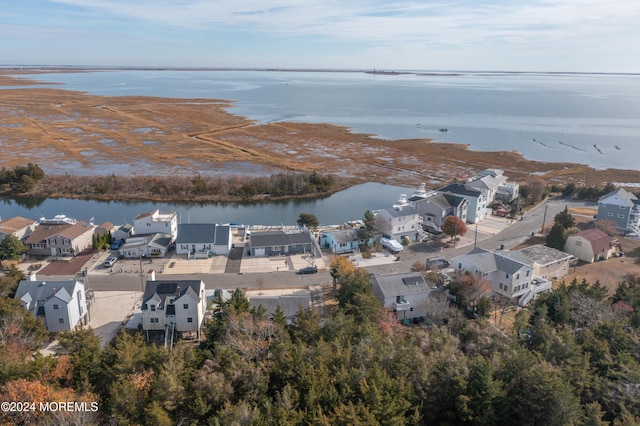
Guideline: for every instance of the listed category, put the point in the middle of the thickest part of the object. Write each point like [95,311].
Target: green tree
[83,346]
[12,248]
[308,220]
[557,237]
[565,218]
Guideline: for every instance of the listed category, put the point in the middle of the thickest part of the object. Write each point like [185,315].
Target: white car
[390,244]
[109,262]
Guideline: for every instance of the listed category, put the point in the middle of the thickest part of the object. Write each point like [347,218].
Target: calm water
[340,207]
[545,117]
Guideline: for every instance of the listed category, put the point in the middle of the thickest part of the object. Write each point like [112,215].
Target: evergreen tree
[557,237]
[12,248]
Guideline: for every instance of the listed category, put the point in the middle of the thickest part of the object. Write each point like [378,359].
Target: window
[500,286]
[527,273]
[153,308]
[400,299]
[66,241]
[518,276]
[55,307]
[185,306]
[275,248]
[60,320]
[507,275]
[189,319]
[154,320]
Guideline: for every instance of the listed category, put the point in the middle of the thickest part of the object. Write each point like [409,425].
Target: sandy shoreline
[72,132]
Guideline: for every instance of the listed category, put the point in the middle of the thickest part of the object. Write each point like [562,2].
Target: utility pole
[475,238]
[141,274]
[544,218]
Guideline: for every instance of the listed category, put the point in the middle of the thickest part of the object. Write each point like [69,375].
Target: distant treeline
[589,193]
[199,188]
[21,179]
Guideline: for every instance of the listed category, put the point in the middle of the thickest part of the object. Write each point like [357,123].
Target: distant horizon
[386,70]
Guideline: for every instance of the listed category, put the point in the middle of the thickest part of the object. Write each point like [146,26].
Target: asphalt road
[514,235]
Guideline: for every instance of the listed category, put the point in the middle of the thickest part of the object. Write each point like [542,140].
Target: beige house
[19,226]
[589,245]
[60,236]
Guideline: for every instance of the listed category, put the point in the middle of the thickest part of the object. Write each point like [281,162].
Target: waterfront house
[400,221]
[477,208]
[157,222]
[123,232]
[623,209]
[345,240]
[494,185]
[404,294]
[203,239]
[173,306]
[280,243]
[61,305]
[105,228]
[18,226]
[151,245]
[589,245]
[437,207]
[60,236]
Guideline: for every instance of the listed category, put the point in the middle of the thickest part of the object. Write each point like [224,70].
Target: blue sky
[515,35]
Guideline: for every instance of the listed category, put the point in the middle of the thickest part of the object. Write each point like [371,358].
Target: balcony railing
[401,306]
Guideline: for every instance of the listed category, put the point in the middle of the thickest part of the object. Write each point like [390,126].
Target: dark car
[308,270]
[116,245]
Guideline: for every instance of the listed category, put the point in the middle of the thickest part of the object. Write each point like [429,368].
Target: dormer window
[153,308]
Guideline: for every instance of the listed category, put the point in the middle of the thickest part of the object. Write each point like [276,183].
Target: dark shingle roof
[279,238]
[164,289]
[194,233]
[460,189]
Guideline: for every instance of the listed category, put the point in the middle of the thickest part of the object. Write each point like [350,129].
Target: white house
[157,222]
[62,305]
[173,306]
[494,185]
[148,245]
[400,221]
[202,239]
[477,208]
[404,294]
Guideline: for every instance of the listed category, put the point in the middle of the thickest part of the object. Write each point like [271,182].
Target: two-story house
[18,226]
[400,221]
[173,306]
[622,208]
[60,236]
[435,208]
[404,294]
[509,273]
[547,262]
[157,222]
[477,208]
[494,185]
[62,305]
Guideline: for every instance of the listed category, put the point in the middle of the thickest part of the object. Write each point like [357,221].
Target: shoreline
[147,136]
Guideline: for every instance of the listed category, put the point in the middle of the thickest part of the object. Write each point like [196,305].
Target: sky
[482,35]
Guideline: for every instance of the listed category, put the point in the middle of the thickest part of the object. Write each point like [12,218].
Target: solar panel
[412,280]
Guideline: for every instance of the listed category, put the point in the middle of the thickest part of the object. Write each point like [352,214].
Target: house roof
[145,214]
[446,200]
[461,189]
[348,235]
[543,255]
[599,240]
[403,211]
[13,224]
[152,240]
[195,233]
[509,262]
[108,226]
[70,231]
[30,292]
[628,198]
[289,303]
[222,235]
[165,289]
[392,285]
[279,238]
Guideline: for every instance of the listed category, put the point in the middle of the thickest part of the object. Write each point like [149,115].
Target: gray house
[404,294]
[622,208]
[477,200]
[276,243]
[202,239]
[437,207]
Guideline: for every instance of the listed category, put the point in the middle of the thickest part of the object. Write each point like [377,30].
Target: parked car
[308,270]
[110,261]
[116,244]
[390,244]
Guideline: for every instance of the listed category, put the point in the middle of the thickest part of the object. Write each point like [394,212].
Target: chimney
[151,275]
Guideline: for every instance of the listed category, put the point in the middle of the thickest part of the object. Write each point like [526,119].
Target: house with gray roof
[203,239]
[61,305]
[435,208]
[400,221]
[173,306]
[509,273]
[622,208]
[494,185]
[290,303]
[149,245]
[547,262]
[345,240]
[404,294]
[476,211]
[280,243]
